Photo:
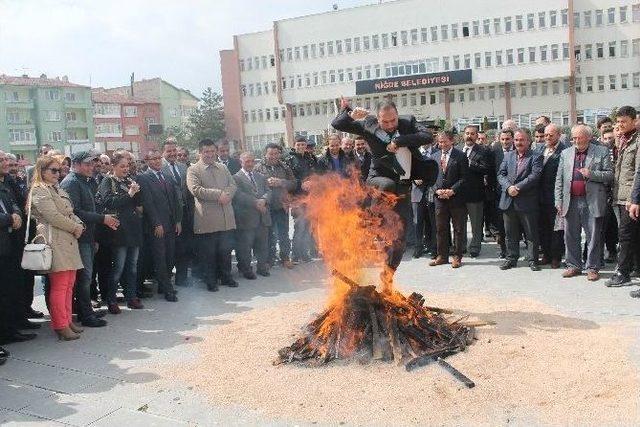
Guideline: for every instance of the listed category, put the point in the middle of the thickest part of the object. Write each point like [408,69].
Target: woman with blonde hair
[53,211]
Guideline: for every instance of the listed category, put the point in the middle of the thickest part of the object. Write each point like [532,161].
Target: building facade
[462,62]
[176,105]
[123,121]
[38,111]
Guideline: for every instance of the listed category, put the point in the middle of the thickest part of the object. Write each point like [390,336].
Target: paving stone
[16,396]
[69,409]
[136,419]
[12,418]
[46,377]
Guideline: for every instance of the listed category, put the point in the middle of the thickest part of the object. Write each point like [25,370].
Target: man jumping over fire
[396,161]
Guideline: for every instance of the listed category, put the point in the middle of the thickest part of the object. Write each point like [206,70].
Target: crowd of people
[152,225]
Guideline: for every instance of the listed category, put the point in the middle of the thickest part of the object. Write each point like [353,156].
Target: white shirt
[445,156]
[403,155]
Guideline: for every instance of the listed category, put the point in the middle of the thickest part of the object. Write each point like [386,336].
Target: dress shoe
[34,314]
[4,353]
[249,275]
[544,261]
[135,304]
[100,313]
[26,324]
[593,276]
[508,264]
[213,288]
[474,254]
[264,273]
[171,297]
[76,328]
[618,279]
[417,253]
[67,334]
[534,266]
[456,262]
[287,264]
[94,322]
[114,309]
[555,264]
[571,272]
[230,283]
[439,261]
[635,294]
[17,337]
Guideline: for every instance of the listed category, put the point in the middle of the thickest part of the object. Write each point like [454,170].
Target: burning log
[381,325]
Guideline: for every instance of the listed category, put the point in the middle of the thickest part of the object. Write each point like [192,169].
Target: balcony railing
[22,103]
[76,123]
[77,141]
[23,143]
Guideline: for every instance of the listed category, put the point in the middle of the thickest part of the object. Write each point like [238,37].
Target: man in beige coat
[213,189]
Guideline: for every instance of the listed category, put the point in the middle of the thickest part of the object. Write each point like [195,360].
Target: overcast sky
[101,42]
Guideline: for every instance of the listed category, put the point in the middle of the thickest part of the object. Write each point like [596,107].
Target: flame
[354,226]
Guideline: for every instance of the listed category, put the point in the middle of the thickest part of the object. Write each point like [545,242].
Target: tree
[207,121]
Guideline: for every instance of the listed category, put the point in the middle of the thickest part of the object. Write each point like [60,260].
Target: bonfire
[354,227]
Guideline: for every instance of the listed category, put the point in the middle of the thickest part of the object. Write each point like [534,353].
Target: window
[555,87]
[497,26]
[554,52]
[108,129]
[624,48]
[589,84]
[576,53]
[467,61]
[454,31]
[259,89]
[413,100]
[492,92]
[624,81]
[481,93]
[307,81]
[565,50]
[635,47]
[509,56]
[338,47]
[289,56]
[456,62]
[385,41]
[542,21]
[564,17]
[576,19]
[636,79]
[341,76]
[55,136]
[330,48]
[321,50]
[132,130]
[444,32]
[305,52]
[432,98]
[242,65]
[486,23]
[544,88]
[323,77]
[623,14]
[70,97]
[534,88]
[131,111]
[52,94]
[107,110]
[600,83]
[445,63]
[587,18]
[532,54]
[472,95]
[414,36]
[394,39]
[53,116]
[256,62]
[13,117]
[507,24]
[530,21]
[403,100]
[264,59]
[599,20]
[366,43]
[377,71]
[332,76]
[519,25]
[461,95]
[520,55]
[612,82]
[611,15]
[498,58]
[523,90]
[477,59]
[612,49]
[273,86]
[356,44]
[404,38]
[452,96]
[588,51]
[296,53]
[476,28]
[487,59]
[635,17]
[553,18]
[578,84]
[599,50]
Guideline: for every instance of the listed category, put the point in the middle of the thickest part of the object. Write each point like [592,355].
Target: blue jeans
[124,270]
[82,290]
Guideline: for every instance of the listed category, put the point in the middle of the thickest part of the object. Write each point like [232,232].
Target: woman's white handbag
[36,256]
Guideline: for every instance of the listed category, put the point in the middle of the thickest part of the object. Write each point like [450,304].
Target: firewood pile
[370,325]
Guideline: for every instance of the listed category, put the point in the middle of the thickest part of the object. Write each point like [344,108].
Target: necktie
[162,181]
[443,161]
[176,175]
[253,182]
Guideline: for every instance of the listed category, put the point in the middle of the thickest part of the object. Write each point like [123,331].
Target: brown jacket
[625,171]
[206,183]
[53,211]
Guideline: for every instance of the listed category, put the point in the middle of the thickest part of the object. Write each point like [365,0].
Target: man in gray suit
[581,199]
[253,219]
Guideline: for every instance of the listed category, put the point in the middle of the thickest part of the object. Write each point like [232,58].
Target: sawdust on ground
[534,366]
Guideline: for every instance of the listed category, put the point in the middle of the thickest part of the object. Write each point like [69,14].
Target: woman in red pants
[51,207]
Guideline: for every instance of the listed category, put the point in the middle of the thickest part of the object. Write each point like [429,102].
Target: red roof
[101,96]
[37,81]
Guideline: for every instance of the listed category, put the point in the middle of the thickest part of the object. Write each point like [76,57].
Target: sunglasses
[54,170]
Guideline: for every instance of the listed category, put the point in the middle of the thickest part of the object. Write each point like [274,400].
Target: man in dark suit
[177,172]
[519,180]
[504,146]
[479,165]
[253,220]
[551,240]
[224,157]
[362,157]
[424,211]
[450,200]
[163,219]
[334,159]
[634,213]
[395,159]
